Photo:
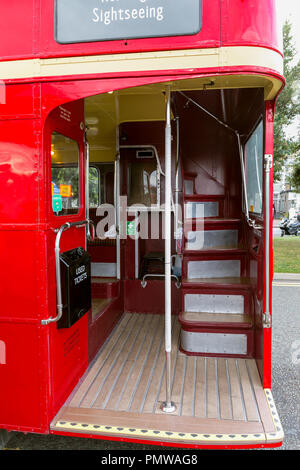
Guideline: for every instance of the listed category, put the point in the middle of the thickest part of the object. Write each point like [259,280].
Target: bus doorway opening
[216,233]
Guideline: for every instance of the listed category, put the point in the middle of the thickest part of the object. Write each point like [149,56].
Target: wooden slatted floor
[125,386]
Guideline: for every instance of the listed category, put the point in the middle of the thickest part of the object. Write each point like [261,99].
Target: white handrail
[168,406]
[87,192]
[268,166]
[60,231]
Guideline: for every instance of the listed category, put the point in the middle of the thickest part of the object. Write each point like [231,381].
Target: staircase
[216,316]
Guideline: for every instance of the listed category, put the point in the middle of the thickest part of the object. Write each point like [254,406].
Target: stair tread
[104,280]
[199,225]
[190,174]
[216,249]
[213,220]
[194,318]
[204,197]
[234,282]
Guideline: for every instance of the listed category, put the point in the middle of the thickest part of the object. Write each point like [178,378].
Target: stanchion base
[168,407]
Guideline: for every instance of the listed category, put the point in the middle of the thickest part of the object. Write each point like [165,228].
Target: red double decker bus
[136,151]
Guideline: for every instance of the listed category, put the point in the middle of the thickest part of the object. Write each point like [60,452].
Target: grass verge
[287,254]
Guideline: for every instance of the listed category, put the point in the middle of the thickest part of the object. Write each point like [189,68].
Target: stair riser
[214,303]
[210,239]
[225,343]
[104,269]
[199,210]
[213,269]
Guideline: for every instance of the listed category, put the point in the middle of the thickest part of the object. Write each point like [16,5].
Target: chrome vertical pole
[117,202]
[87,191]
[117,213]
[177,223]
[267,315]
[168,406]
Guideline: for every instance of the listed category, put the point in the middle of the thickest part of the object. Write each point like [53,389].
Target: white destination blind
[104,20]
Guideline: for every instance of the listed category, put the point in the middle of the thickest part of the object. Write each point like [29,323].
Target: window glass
[142,183]
[94,184]
[254,169]
[65,179]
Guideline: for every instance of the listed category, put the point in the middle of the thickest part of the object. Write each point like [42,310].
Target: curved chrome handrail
[144,283]
[60,231]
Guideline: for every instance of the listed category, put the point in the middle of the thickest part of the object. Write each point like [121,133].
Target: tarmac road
[285,377]
[286,358]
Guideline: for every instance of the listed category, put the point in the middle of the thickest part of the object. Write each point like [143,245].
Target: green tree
[295,177]
[288,105]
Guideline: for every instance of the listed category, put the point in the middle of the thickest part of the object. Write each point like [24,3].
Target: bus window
[254,169]
[143,183]
[94,185]
[65,187]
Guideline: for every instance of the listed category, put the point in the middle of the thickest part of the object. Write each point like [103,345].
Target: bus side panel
[21,277]
[19,157]
[68,347]
[269,150]
[18,36]
[263,335]
[225,22]
[20,391]
[249,23]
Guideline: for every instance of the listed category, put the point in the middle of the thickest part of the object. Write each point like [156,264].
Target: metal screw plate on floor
[168,407]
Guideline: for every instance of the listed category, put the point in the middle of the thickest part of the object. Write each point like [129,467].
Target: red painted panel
[20,391]
[19,28]
[18,172]
[267,332]
[104,254]
[100,328]
[20,100]
[150,299]
[69,360]
[20,275]
[68,348]
[105,290]
[249,22]
[225,22]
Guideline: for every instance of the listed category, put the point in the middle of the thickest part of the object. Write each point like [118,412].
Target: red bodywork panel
[39,365]
[225,23]
[26,218]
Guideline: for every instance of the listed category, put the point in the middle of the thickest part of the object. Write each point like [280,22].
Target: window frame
[260,121]
[93,165]
[79,214]
[80,175]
